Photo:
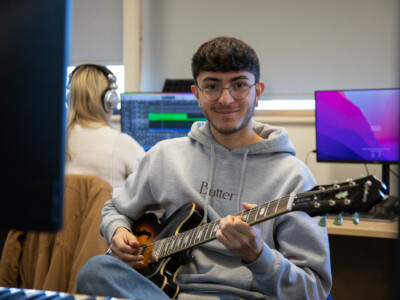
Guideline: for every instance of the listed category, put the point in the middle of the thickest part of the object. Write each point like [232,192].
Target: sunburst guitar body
[149,229]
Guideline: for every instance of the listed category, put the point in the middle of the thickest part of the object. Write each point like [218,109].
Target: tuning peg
[338,220]
[323,222]
[334,182]
[355,218]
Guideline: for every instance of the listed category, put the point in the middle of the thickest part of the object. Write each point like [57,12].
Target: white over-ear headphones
[110,98]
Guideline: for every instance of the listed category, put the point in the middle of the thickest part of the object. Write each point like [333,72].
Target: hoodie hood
[275,139]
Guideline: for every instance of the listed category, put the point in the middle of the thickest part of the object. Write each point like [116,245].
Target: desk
[363,259]
[374,229]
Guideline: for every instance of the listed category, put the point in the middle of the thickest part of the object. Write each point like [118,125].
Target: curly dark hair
[225,54]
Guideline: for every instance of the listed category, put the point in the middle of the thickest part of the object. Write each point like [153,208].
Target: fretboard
[207,232]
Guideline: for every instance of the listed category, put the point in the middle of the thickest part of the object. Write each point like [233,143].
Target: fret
[267,209]
[205,231]
[182,240]
[192,236]
[199,233]
[161,247]
[212,231]
[166,246]
[186,239]
[250,215]
[196,234]
[215,228]
[179,241]
[164,251]
[245,215]
[208,231]
[156,251]
[172,244]
[169,242]
[274,206]
[282,205]
[254,213]
[262,211]
[277,205]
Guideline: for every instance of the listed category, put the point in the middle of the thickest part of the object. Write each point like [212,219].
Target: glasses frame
[229,90]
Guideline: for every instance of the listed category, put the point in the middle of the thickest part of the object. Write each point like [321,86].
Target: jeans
[104,275]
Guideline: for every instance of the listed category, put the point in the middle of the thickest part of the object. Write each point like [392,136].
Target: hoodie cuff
[266,263]
[112,228]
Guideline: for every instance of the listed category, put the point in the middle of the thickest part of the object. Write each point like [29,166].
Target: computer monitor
[33,58]
[357,125]
[153,117]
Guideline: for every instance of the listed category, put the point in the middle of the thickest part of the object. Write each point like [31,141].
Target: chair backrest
[52,260]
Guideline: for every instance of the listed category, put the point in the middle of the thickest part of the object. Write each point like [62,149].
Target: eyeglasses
[238,90]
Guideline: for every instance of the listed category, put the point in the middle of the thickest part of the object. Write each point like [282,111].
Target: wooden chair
[52,260]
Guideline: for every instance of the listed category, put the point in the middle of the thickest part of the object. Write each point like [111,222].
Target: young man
[223,164]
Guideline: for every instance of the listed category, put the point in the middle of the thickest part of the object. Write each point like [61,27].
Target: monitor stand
[386,176]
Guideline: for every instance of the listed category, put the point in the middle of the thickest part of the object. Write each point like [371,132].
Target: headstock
[352,196]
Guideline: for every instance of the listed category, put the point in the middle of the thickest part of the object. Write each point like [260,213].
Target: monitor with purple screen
[357,125]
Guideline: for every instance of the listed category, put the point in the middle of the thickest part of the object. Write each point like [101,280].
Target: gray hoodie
[294,263]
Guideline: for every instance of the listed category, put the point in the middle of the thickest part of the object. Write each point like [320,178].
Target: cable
[308,154]
[394,173]
[366,168]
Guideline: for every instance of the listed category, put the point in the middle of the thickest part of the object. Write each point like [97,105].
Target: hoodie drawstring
[210,180]
[213,159]
[242,175]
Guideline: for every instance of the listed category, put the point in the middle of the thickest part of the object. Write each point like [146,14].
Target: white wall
[97,32]
[303,45]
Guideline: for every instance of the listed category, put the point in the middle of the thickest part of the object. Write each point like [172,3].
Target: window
[286,104]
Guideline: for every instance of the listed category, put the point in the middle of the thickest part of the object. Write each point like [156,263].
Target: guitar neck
[207,232]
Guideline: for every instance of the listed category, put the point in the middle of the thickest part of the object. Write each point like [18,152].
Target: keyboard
[28,294]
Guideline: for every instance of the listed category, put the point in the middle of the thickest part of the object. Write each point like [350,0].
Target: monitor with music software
[152,117]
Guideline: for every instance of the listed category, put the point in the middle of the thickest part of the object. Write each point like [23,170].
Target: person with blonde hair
[94,146]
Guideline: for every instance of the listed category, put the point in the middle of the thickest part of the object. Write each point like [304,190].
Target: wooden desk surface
[377,229]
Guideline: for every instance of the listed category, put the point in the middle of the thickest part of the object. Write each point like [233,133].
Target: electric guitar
[166,246]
